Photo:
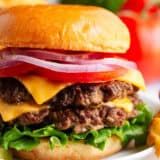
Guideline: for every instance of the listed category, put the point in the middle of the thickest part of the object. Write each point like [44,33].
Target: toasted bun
[1,47]
[9,3]
[73,151]
[66,27]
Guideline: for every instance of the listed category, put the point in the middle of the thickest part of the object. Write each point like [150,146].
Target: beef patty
[80,107]
[91,95]
[12,91]
[90,119]
[78,95]
[79,120]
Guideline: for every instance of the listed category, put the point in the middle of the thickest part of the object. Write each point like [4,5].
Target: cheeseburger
[65,93]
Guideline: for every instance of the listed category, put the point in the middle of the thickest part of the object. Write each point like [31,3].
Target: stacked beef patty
[79,107]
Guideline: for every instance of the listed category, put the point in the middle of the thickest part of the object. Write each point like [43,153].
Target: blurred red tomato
[135,5]
[145,42]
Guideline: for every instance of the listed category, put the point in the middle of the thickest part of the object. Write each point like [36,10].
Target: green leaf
[43,132]
[113,5]
[26,139]
[23,138]
[9,136]
[49,131]
[24,143]
[54,141]
[145,115]
[136,129]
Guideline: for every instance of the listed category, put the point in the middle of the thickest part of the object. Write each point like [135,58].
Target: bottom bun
[72,151]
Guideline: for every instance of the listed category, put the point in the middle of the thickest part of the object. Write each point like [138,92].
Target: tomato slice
[82,77]
[24,69]
[19,69]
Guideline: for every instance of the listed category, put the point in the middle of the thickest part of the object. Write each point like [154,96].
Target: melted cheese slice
[134,77]
[124,103]
[10,112]
[40,88]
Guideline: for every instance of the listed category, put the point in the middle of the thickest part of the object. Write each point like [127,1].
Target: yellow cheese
[124,103]
[40,88]
[134,77]
[9,112]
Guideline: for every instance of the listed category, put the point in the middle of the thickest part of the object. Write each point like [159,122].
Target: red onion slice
[59,56]
[89,58]
[58,67]
[7,63]
[82,59]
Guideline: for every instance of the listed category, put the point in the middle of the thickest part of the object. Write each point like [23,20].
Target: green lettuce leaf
[26,139]
[144,116]
[24,143]
[135,129]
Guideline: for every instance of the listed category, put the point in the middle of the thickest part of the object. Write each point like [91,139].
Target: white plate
[140,153]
